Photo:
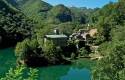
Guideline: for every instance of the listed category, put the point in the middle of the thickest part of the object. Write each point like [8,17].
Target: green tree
[21,49]
[50,49]
[83,52]
[27,51]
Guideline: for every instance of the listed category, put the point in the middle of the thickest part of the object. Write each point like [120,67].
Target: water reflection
[77,74]
[78,71]
[64,73]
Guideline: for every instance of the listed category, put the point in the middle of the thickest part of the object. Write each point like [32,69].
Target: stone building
[57,38]
[80,35]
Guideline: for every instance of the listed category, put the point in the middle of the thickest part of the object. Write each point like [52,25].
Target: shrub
[18,72]
[83,52]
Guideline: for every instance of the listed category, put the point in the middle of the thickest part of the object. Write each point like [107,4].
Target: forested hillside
[14,24]
[41,10]
[16,15]
[12,2]
[49,17]
[35,9]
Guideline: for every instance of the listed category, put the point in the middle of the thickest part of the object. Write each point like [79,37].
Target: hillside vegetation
[110,20]
[35,9]
[14,25]
[25,22]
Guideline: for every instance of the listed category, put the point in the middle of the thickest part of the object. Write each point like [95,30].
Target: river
[80,70]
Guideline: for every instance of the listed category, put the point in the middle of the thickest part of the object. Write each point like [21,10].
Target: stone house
[84,34]
[80,35]
[58,40]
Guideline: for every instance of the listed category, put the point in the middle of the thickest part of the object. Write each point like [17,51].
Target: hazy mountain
[35,9]
[60,13]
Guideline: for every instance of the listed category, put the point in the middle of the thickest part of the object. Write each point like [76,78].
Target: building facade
[58,40]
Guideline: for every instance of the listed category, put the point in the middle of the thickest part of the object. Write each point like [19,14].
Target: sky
[81,3]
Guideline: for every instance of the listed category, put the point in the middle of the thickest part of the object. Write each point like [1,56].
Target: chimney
[88,26]
[56,31]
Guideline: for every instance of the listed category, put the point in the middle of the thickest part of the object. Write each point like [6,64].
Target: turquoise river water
[80,70]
